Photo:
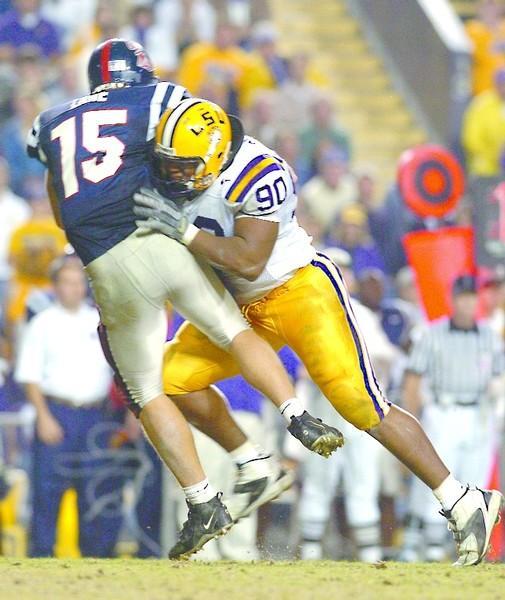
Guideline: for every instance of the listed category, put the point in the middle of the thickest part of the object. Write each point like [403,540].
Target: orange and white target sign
[431,180]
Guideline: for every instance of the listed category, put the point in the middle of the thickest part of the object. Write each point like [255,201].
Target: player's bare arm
[245,254]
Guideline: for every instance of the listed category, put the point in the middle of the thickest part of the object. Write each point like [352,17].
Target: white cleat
[258,482]
[472,520]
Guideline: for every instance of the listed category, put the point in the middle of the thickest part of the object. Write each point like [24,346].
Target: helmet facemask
[179,176]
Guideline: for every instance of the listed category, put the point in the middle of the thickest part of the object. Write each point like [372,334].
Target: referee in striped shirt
[454,374]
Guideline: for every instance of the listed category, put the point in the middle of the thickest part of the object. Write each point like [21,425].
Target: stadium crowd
[226,51]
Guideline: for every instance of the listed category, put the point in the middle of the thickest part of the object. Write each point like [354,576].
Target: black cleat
[316,435]
[206,521]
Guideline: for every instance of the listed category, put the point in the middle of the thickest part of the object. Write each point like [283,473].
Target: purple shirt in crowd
[32,30]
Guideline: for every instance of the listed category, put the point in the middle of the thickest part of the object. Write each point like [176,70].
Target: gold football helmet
[193,144]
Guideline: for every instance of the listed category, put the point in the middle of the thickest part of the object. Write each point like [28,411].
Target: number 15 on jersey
[107,150]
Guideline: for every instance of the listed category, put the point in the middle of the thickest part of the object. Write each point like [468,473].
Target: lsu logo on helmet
[192,145]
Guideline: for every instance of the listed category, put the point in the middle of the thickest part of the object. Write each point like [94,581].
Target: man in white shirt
[66,378]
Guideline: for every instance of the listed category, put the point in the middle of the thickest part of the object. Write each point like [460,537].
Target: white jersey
[257,184]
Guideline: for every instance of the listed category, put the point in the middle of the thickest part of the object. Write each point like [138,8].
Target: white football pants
[132,282]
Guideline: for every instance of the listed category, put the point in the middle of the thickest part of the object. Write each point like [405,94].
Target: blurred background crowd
[310,83]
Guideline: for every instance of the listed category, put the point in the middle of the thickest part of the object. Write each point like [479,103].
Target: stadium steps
[376,117]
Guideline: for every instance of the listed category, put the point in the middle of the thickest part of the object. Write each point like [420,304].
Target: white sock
[247,452]
[291,408]
[199,492]
[449,492]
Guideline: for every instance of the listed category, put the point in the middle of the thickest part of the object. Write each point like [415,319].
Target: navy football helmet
[119,63]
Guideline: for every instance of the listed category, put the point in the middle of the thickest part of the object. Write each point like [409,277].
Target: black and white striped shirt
[458,364]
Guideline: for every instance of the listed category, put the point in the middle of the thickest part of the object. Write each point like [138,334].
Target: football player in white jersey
[241,219]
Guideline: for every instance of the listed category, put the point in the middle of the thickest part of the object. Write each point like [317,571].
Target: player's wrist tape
[190,234]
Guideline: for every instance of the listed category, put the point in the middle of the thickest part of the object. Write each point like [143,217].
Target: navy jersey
[96,149]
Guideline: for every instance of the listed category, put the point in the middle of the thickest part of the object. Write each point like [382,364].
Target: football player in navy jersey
[96,150]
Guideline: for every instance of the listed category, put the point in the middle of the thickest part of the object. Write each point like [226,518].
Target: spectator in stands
[226,64]
[487,34]
[330,190]
[388,222]
[68,85]
[366,182]
[408,295]
[5,5]
[287,145]
[14,211]
[13,140]
[264,45]
[297,92]
[186,22]
[351,234]
[67,380]
[260,120]
[143,28]
[402,317]
[323,129]
[69,16]
[8,85]
[483,131]
[371,288]
[32,248]
[24,25]
[31,71]
[105,25]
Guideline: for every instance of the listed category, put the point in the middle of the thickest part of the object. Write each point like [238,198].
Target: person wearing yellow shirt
[487,34]
[225,64]
[33,247]
[483,131]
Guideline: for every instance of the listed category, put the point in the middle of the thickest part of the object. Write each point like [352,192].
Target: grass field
[23,579]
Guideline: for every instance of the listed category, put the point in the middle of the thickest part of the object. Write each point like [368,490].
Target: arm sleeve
[265,195]
[33,148]
[419,356]
[166,95]
[173,96]
[30,361]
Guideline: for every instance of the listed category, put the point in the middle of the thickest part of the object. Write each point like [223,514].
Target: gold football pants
[312,314]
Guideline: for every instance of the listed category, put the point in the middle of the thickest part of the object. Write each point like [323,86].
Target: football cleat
[315,435]
[206,521]
[258,482]
[471,521]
